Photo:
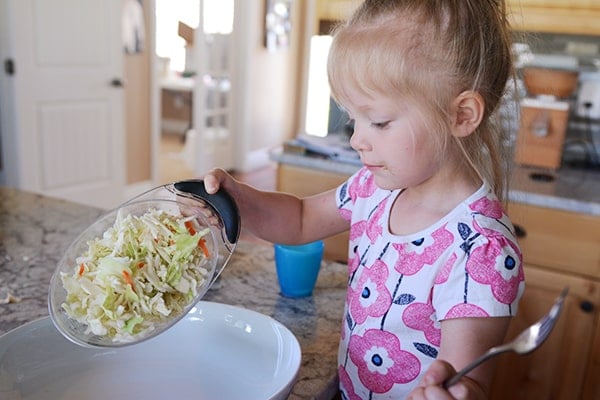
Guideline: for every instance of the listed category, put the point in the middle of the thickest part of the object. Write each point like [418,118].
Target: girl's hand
[215,179]
[431,388]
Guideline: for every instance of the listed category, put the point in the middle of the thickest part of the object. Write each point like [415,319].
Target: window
[318,94]
[218,18]
[323,115]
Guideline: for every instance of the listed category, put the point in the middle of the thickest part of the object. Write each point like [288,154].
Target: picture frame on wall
[278,24]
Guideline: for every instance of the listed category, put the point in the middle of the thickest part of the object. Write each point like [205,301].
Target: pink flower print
[346,385]
[381,362]
[346,214]
[497,263]
[374,228]
[410,261]
[422,317]
[362,186]
[489,208]
[465,310]
[444,273]
[354,261]
[370,296]
[357,229]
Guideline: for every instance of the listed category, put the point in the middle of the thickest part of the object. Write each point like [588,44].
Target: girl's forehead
[358,100]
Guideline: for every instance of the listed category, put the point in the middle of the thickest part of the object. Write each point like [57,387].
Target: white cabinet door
[67,100]
[212,113]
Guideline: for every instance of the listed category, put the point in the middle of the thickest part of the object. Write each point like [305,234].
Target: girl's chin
[384,183]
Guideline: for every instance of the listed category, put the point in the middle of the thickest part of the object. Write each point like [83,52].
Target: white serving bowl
[217,351]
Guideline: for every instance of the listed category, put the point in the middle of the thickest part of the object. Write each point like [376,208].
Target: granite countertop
[565,189]
[573,190]
[35,230]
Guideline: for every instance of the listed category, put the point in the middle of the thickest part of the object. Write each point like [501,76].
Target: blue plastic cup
[298,267]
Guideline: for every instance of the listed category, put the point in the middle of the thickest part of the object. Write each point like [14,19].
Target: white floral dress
[468,264]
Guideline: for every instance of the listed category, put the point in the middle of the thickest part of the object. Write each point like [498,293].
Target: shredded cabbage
[143,271]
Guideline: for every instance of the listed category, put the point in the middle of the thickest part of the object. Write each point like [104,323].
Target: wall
[268,97]
[138,154]
[334,9]
[275,86]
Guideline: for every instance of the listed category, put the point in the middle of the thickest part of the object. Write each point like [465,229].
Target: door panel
[69,117]
[65,164]
[59,25]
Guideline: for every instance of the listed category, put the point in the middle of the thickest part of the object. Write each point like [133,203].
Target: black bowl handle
[221,202]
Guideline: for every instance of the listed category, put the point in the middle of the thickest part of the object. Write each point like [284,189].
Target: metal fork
[527,341]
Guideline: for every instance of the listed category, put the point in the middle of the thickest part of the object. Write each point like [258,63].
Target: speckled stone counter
[35,230]
[565,189]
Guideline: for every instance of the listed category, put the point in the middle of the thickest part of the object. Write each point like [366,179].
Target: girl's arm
[280,217]
[463,340]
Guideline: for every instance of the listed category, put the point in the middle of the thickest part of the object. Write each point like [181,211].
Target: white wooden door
[68,101]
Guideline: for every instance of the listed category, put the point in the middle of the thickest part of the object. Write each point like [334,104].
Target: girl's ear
[467,112]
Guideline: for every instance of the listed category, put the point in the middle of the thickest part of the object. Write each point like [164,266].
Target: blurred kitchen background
[102,100]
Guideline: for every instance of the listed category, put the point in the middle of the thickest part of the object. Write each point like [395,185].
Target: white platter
[217,352]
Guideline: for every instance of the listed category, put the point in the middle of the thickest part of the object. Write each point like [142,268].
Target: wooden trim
[579,21]
[559,240]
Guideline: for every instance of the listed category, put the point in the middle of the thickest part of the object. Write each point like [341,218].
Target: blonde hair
[430,51]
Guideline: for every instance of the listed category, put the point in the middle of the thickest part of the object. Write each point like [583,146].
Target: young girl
[434,269]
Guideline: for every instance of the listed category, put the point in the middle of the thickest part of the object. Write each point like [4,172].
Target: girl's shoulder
[482,211]
[486,210]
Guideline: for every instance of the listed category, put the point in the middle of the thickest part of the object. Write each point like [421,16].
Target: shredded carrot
[203,247]
[81,269]
[128,279]
[141,264]
[190,227]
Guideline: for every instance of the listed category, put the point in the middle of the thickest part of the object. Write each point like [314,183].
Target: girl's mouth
[373,167]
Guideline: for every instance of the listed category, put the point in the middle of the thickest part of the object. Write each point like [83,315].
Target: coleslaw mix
[143,271]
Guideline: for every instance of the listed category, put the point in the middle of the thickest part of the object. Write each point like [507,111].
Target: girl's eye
[380,125]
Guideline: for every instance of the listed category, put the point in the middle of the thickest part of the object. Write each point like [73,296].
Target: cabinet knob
[520,232]
[586,306]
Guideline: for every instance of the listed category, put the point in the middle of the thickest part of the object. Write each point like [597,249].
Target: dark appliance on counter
[582,145]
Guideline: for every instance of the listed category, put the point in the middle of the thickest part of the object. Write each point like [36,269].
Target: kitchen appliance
[588,96]
[215,215]
[543,81]
[542,132]
[544,115]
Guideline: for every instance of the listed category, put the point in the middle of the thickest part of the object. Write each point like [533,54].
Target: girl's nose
[357,141]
